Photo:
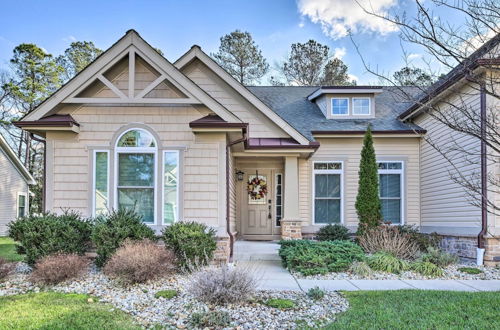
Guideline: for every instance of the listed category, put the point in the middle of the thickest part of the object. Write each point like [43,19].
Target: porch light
[239,175]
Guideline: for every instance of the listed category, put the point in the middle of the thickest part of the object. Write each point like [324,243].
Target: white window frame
[369,106]
[94,155]
[26,203]
[138,150]
[176,213]
[276,198]
[340,98]
[341,172]
[401,173]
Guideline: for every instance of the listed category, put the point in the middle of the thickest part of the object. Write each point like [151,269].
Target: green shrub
[193,243]
[332,233]
[47,234]
[315,293]
[438,257]
[211,319]
[470,270]
[111,230]
[427,268]
[386,262]
[310,257]
[424,241]
[280,303]
[361,268]
[167,294]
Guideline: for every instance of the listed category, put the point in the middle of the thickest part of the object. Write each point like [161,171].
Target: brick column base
[222,251]
[466,247]
[291,229]
[492,251]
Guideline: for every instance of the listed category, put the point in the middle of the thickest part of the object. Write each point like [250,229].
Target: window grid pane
[101,183]
[327,200]
[340,106]
[170,189]
[360,106]
[279,200]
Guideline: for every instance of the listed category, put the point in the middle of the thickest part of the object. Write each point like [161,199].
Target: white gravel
[139,301]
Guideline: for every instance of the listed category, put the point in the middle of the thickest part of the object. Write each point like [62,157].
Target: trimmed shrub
[470,270]
[193,243]
[311,258]
[438,257]
[424,241]
[386,262]
[223,285]
[315,293]
[360,268]
[139,261]
[210,320]
[332,233]
[57,268]
[6,268]
[48,234]
[389,239]
[167,294]
[111,231]
[427,268]
[280,303]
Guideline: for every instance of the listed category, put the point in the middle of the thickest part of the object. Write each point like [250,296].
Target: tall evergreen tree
[77,57]
[240,56]
[368,201]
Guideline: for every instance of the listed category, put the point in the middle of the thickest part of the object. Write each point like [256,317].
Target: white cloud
[338,17]
[353,77]
[69,39]
[339,53]
[301,24]
[414,56]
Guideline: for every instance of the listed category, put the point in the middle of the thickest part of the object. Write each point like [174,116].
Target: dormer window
[361,106]
[340,106]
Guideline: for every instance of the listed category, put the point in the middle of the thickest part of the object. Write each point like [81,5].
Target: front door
[256,206]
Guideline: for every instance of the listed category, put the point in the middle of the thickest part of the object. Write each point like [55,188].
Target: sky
[174,26]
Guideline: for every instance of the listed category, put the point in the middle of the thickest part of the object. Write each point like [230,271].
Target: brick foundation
[291,229]
[222,251]
[465,247]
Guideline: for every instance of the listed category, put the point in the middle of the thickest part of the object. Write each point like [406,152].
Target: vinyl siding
[12,184]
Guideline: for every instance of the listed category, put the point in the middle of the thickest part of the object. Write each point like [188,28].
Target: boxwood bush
[332,233]
[193,243]
[42,235]
[110,232]
[311,257]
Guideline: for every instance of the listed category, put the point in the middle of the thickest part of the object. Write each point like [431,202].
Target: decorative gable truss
[130,72]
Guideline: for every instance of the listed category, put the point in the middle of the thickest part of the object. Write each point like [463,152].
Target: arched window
[136,154]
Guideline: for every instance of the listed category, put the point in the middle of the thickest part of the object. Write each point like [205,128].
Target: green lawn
[50,310]
[415,309]
[8,250]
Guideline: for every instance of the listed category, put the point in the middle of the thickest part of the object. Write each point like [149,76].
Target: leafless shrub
[56,268]
[140,261]
[6,268]
[389,239]
[223,285]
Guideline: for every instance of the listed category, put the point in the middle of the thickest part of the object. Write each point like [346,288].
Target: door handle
[269,216]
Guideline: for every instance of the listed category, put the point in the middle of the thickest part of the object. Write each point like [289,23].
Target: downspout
[484,182]
[228,220]
[44,186]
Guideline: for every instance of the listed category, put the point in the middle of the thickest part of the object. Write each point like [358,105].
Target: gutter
[484,181]
[44,186]
[228,222]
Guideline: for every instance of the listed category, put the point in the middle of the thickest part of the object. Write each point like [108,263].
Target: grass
[470,270]
[50,310]
[416,309]
[167,294]
[8,250]
[280,303]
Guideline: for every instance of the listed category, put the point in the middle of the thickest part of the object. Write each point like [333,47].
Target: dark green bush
[193,243]
[315,293]
[424,241]
[111,230]
[333,233]
[311,257]
[46,234]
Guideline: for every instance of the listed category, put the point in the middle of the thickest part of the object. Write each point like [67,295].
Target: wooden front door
[256,214]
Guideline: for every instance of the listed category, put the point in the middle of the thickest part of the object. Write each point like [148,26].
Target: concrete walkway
[262,259]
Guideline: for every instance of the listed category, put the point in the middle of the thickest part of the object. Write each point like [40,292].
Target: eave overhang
[344,90]
[50,123]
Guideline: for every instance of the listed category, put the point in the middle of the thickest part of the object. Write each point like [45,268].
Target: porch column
[291,227]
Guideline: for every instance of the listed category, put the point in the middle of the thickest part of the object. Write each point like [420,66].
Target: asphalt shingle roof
[291,104]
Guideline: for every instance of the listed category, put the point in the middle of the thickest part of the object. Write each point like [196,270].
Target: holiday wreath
[257,188]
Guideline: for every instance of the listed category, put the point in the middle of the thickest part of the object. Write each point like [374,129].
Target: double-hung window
[391,191]
[327,190]
[361,106]
[22,205]
[340,106]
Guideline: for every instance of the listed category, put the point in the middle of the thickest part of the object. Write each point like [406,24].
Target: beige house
[186,141]
[14,187]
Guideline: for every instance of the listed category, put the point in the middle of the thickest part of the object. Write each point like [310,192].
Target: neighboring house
[180,141]
[14,189]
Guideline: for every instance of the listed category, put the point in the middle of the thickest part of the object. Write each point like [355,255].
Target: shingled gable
[130,44]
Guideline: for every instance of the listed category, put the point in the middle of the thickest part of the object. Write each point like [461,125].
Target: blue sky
[174,26]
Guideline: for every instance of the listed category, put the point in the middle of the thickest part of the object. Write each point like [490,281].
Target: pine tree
[368,200]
